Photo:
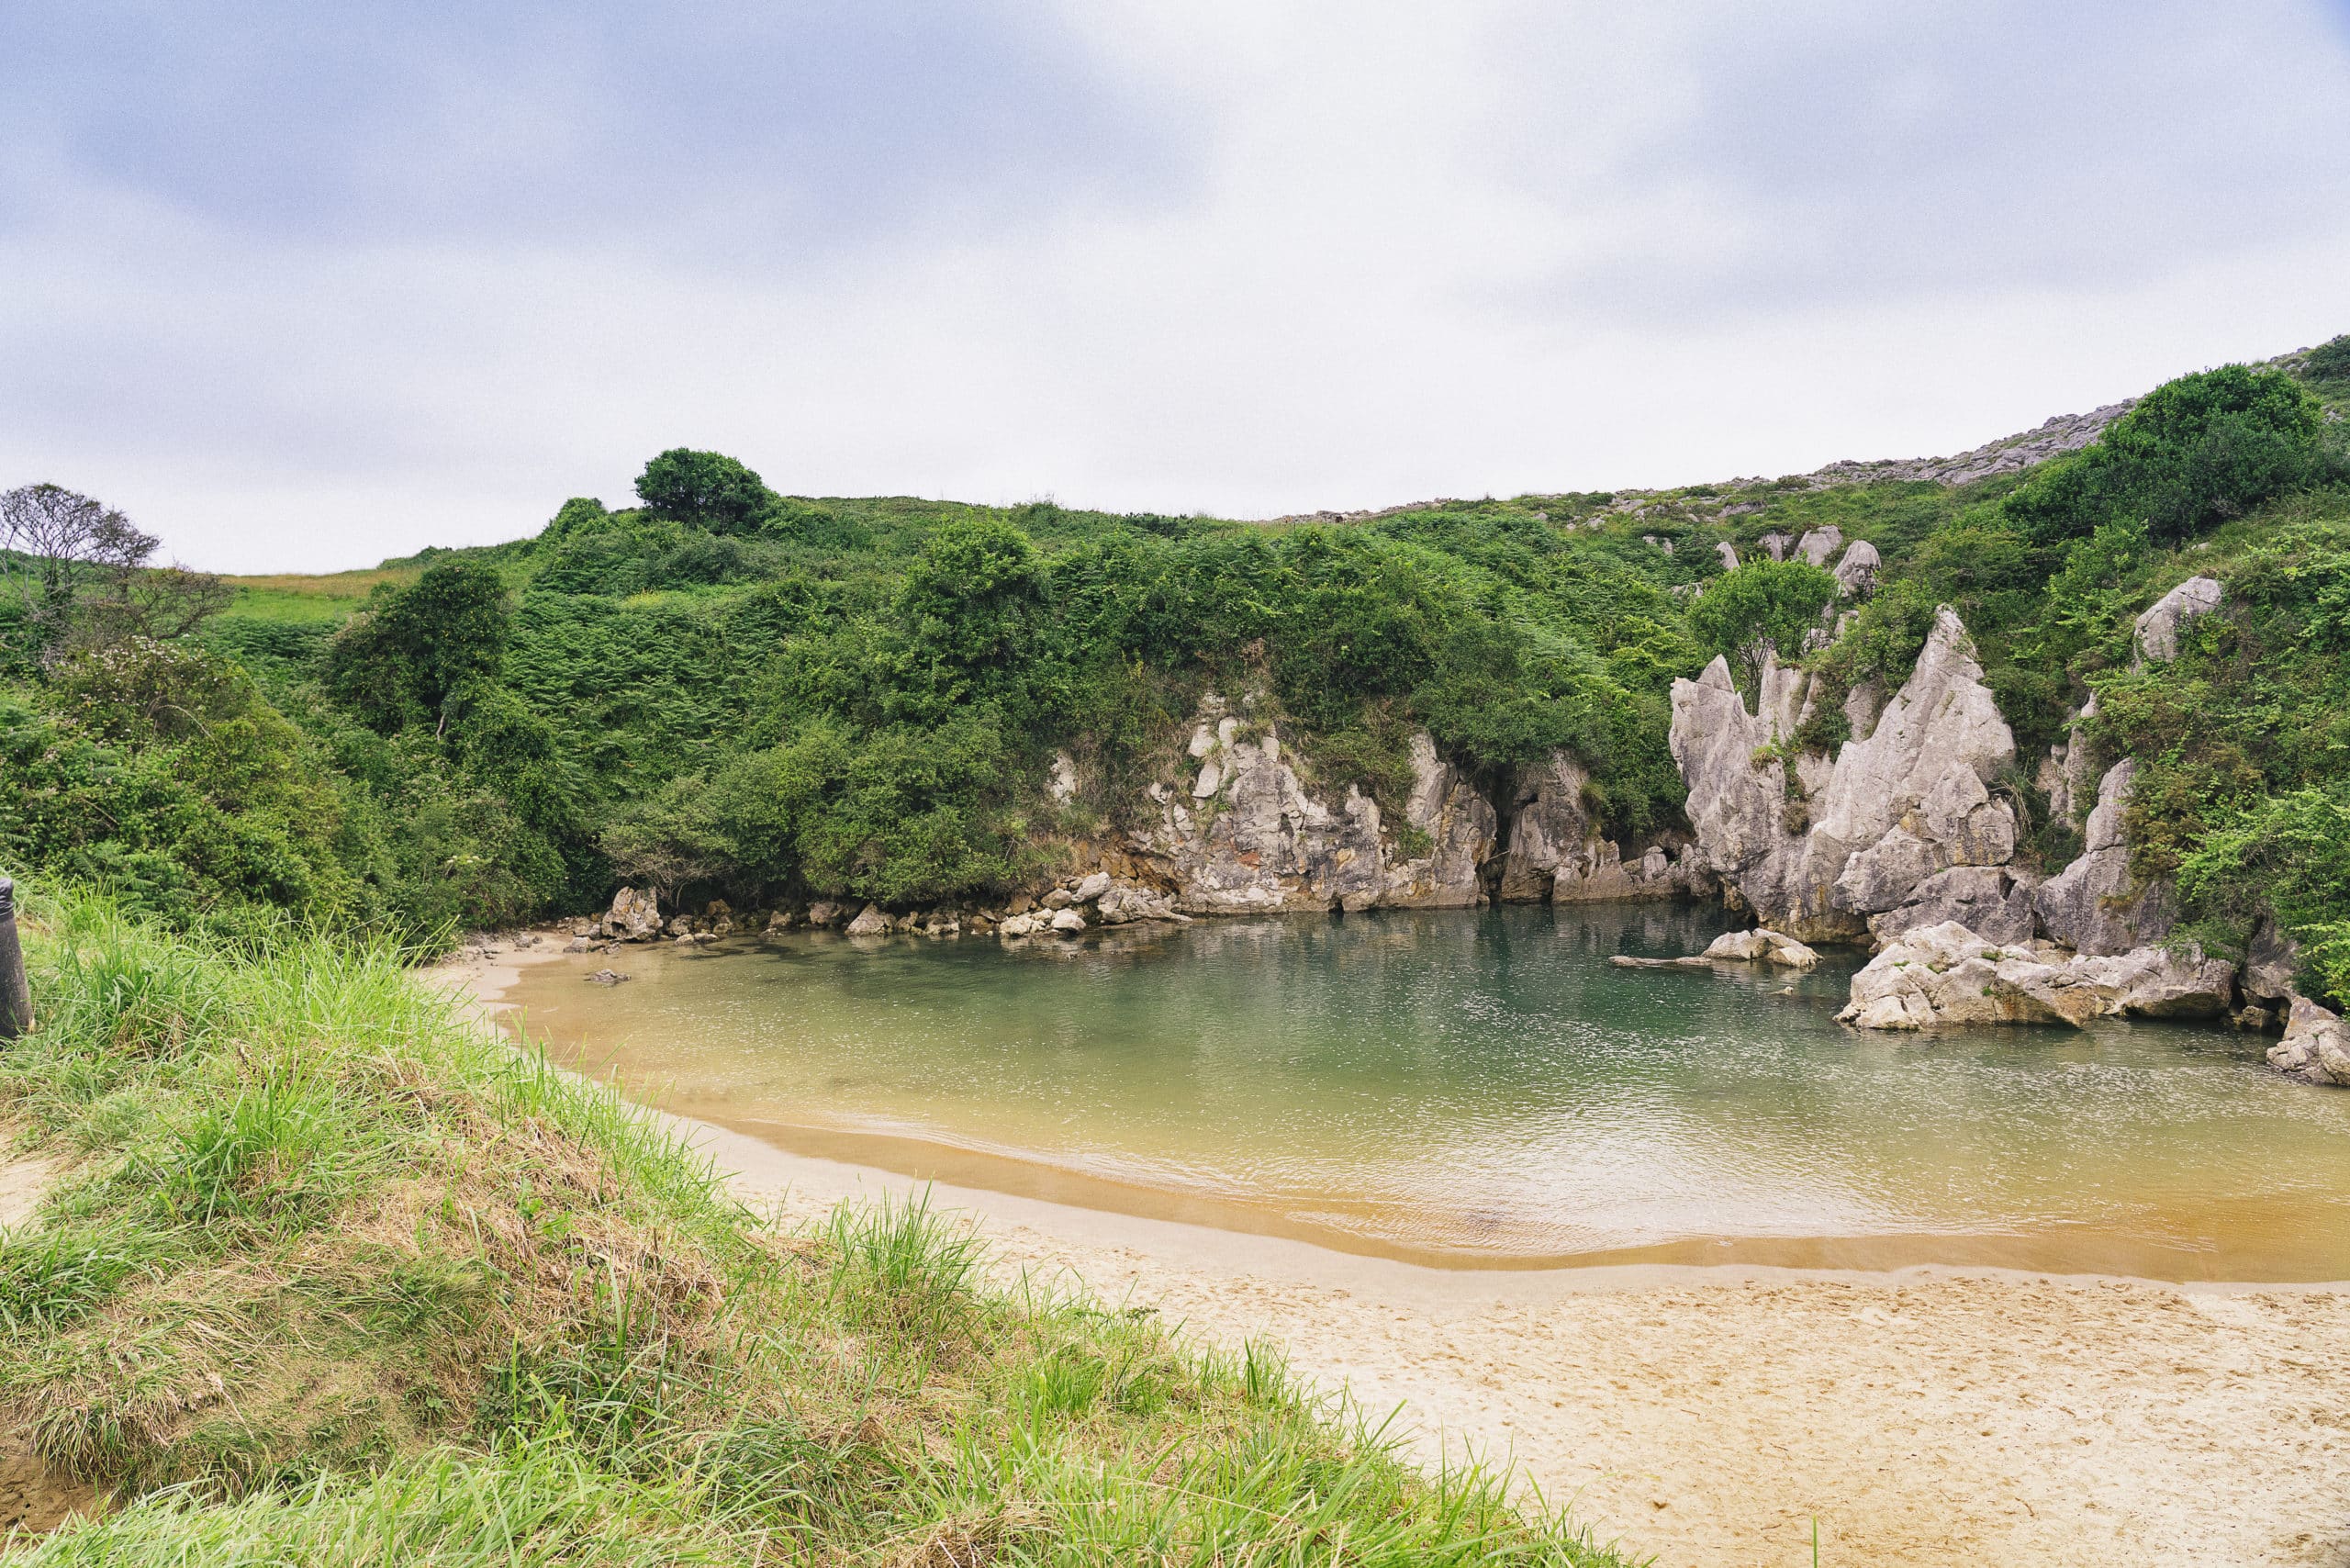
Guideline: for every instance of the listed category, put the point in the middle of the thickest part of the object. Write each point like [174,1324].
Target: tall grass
[336,1277]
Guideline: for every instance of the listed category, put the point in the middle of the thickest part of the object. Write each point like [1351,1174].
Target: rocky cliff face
[1869,833]
[1243,834]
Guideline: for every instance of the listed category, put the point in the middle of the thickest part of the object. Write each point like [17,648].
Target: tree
[1761,608]
[417,646]
[708,488]
[55,544]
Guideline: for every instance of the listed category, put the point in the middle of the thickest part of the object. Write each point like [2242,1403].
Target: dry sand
[1710,1415]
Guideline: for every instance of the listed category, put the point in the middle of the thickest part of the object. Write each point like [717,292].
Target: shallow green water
[1483,1087]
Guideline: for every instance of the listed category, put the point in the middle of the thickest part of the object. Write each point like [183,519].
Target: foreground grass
[335,1278]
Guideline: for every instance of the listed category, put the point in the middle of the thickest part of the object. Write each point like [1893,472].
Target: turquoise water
[1482,1088]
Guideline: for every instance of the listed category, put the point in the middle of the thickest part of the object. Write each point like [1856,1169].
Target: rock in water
[2316,1046]
[1946,975]
[870,921]
[1762,946]
[605,976]
[1067,922]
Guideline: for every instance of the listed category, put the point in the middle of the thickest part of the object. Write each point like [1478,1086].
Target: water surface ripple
[1482,1088]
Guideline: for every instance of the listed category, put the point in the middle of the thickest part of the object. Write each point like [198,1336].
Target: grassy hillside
[728,691]
[330,1277]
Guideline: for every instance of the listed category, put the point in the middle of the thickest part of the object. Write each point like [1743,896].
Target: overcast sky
[301,286]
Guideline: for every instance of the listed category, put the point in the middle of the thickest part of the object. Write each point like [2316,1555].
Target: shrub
[708,488]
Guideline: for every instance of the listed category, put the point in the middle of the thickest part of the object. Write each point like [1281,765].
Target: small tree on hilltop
[55,545]
[709,488]
[1761,608]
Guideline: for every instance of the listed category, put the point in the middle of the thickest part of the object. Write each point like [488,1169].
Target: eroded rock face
[2094,905]
[1548,828]
[1944,975]
[633,917]
[1905,800]
[2316,1046]
[1856,572]
[2156,634]
[1247,835]
[1992,902]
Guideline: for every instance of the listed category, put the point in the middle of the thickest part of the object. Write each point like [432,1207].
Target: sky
[300,287]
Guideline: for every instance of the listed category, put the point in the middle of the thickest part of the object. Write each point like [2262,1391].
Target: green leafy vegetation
[728,691]
[329,1275]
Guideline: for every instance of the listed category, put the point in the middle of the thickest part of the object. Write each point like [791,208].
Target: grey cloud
[728,129]
[1858,152]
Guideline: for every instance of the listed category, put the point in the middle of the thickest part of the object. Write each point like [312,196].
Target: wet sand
[1708,1416]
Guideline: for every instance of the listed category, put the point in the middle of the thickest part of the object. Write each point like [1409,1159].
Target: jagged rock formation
[2094,905]
[1245,834]
[633,917]
[1905,800]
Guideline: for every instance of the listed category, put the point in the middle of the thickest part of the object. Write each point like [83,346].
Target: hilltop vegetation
[727,690]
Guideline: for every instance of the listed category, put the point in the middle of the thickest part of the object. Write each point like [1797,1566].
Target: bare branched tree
[60,548]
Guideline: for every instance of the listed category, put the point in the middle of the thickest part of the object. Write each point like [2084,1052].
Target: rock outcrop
[1245,835]
[2094,905]
[1943,975]
[1901,803]
[2316,1046]
[1548,828]
[633,917]
[2156,635]
[1856,572]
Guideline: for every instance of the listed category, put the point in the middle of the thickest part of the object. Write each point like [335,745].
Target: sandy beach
[1709,1415]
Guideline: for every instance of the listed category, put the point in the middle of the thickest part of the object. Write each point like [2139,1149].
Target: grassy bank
[331,1276]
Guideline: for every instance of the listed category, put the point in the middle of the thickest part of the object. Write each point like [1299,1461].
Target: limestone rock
[1907,799]
[1819,543]
[824,912]
[1548,827]
[1728,552]
[1091,888]
[1123,904]
[1856,572]
[2157,635]
[1776,544]
[1992,902]
[1067,922]
[633,917]
[2316,1046]
[2270,961]
[1017,925]
[1947,975]
[2153,982]
[1060,784]
[870,921]
[1762,945]
[2094,905]
[605,976]
[1057,898]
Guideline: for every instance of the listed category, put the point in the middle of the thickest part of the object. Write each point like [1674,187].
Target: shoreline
[1708,1412]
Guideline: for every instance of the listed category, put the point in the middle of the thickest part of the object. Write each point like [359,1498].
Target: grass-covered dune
[330,1274]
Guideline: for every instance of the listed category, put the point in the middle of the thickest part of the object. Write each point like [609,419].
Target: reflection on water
[1484,1088]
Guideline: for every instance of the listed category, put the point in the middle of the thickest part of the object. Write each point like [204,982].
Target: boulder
[824,912]
[1091,888]
[580,944]
[1067,922]
[2316,1046]
[1776,544]
[870,921]
[779,921]
[605,976]
[1728,553]
[1125,903]
[2094,905]
[1946,974]
[1059,898]
[1819,543]
[2156,634]
[1856,572]
[1762,945]
[1060,782]
[633,917]
[1017,925]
